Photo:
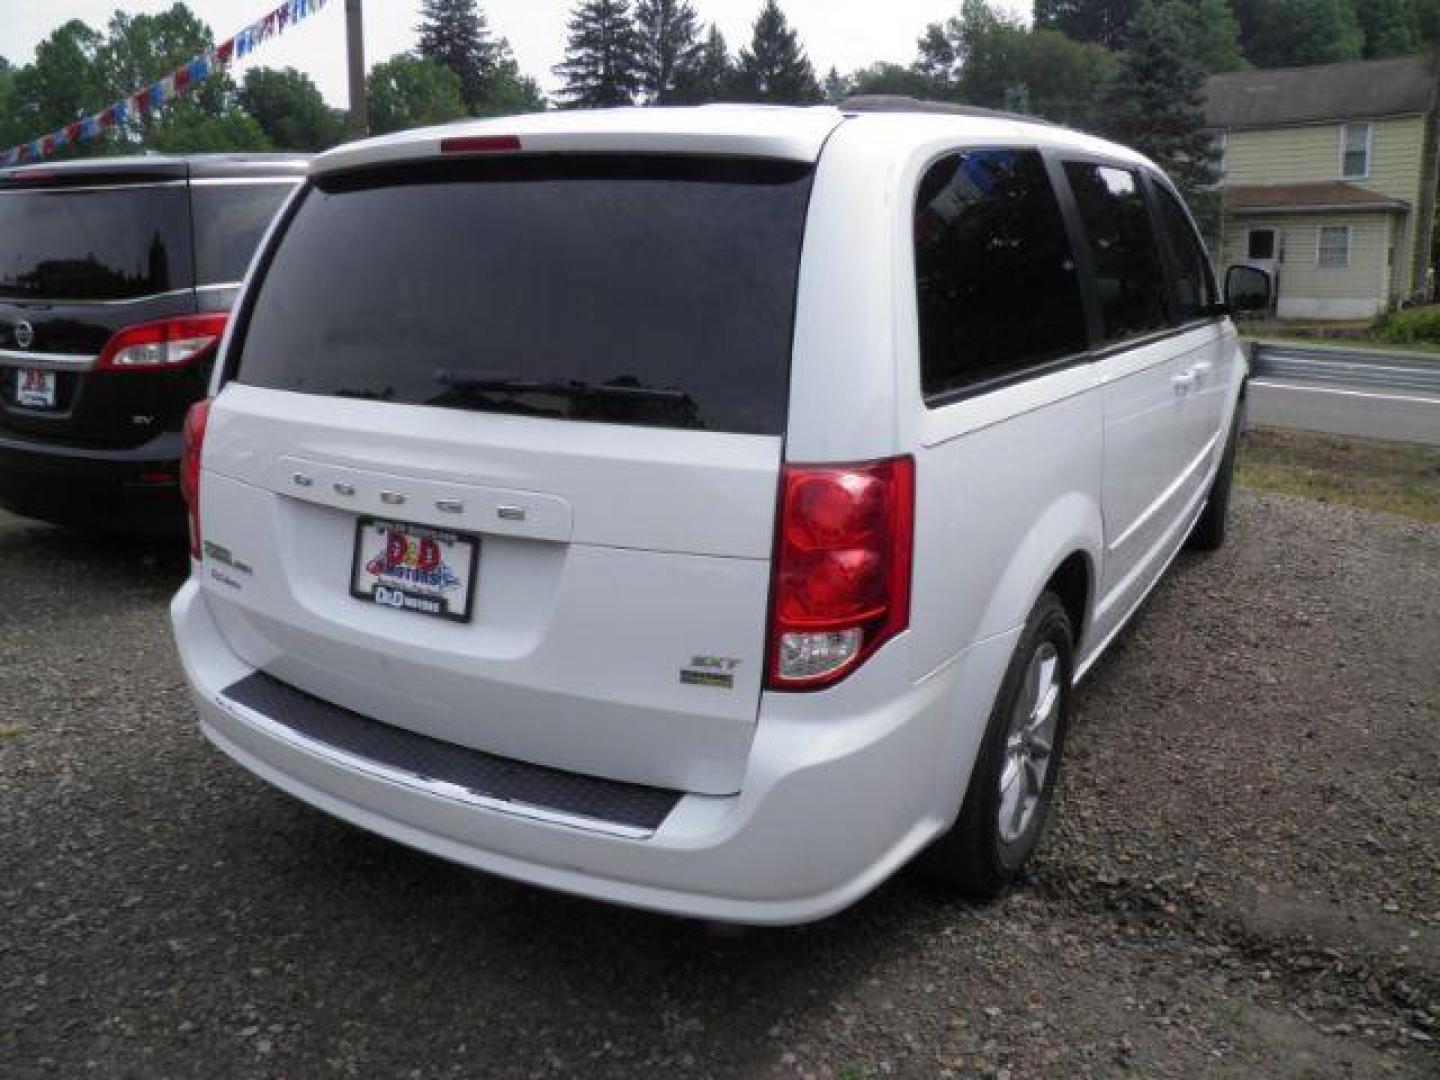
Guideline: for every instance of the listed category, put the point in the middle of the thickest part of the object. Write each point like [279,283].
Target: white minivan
[707,509]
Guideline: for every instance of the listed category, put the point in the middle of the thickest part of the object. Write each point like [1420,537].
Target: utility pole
[359,122]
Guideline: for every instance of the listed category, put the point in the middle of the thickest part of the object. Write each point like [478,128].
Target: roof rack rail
[899,103]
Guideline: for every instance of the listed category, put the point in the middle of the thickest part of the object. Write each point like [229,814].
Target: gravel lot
[1244,879]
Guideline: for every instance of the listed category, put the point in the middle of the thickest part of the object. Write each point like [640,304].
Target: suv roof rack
[899,103]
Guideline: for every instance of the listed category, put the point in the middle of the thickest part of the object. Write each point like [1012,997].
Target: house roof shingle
[1294,197]
[1319,92]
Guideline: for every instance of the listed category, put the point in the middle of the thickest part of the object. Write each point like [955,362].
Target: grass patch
[1397,477]
[12,731]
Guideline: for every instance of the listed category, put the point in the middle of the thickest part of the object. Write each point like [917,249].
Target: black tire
[974,857]
[1208,533]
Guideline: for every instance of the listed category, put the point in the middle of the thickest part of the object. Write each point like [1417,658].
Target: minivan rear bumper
[831,804]
[131,490]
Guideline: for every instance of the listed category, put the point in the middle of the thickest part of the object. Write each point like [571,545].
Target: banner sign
[184,79]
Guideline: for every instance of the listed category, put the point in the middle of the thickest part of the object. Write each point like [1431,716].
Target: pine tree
[1214,35]
[456,35]
[775,68]
[601,65]
[669,37]
[1157,101]
[1100,22]
[711,77]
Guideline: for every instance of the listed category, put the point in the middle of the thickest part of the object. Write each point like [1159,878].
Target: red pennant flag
[47,145]
[142,100]
[107,118]
[182,77]
[225,51]
[72,133]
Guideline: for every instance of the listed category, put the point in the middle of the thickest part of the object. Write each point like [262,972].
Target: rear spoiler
[723,131]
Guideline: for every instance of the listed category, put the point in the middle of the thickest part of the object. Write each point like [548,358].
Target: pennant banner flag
[161,91]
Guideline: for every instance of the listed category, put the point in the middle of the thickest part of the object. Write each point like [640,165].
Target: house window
[1334,245]
[1261,244]
[1354,151]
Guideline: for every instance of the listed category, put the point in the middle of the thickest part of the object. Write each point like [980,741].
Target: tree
[1214,36]
[1425,14]
[508,92]
[987,57]
[289,109]
[407,91]
[1067,81]
[61,85]
[1157,101]
[711,77]
[456,35]
[9,134]
[669,45]
[1100,22]
[887,78]
[1391,27]
[602,64]
[185,128]
[1283,33]
[78,71]
[775,68]
[140,49]
[835,87]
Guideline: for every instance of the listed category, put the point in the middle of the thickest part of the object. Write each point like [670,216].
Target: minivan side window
[1129,277]
[1194,284]
[995,279]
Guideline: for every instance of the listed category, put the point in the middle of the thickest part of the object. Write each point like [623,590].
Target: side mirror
[1247,289]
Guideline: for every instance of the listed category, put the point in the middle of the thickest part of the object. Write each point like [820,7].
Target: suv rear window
[619,289]
[94,244]
[230,219]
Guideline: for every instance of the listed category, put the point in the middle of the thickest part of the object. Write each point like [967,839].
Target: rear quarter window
[629,289]
[996,285]
[230,220]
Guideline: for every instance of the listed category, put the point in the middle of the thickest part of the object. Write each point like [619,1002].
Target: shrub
[1411,326]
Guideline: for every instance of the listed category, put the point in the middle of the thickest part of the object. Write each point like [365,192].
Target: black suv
[116,275]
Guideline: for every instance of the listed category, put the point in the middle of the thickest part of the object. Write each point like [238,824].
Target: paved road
[1400,415]
[1244,880]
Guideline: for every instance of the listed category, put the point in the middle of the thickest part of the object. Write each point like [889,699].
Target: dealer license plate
[415,568]
[35,389]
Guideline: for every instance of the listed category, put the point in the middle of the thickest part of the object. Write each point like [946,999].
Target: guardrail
[1364,367]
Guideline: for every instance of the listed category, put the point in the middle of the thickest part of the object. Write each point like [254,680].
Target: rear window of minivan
[621,289]
[94,243]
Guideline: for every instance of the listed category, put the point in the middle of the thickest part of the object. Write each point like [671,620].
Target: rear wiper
[498,382]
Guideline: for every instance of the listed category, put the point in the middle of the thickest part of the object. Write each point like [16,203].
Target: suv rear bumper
[118,490]
[831,805]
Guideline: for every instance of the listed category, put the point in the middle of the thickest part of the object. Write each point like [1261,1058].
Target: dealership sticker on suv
[414,568]
[35,389]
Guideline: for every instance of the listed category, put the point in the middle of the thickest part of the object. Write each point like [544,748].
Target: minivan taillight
[165,343]
[841,575]
[192,445]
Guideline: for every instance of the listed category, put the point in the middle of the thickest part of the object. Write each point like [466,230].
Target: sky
[846,34]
